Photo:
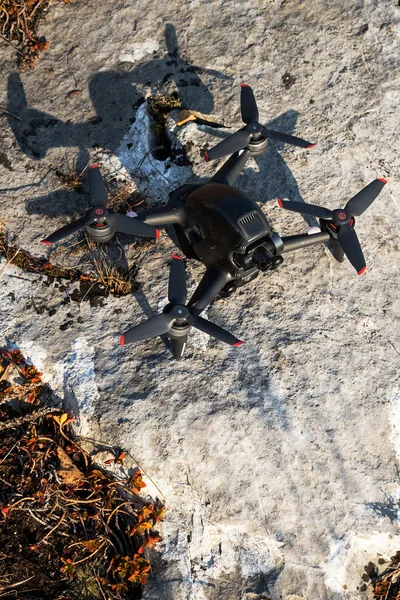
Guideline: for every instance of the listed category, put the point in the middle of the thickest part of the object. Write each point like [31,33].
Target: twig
[54,528]
[21,500]
[11,259]
[12,45]
[81,450]
[81,501]
[36,518]
[6,370]
[8,587]
[115,510]
[9,452]
[98,581]
[93,553]
[9,113]
[107,445]
[6,482]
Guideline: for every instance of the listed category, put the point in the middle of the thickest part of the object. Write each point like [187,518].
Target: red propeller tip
[96,166]
[311,146]
[244,85]
[44,242]
[361,271]
[238,344]
[158,234]
[206,157]
[382,179]
[280,203]
[177,257]
[122,340]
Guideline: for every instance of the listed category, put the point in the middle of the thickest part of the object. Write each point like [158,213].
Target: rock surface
[278,460]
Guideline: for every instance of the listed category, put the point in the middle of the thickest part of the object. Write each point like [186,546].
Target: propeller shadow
[282,183]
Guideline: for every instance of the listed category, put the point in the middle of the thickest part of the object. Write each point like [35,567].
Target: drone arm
[163,215]
[230,170]
[212,283]
[295,242]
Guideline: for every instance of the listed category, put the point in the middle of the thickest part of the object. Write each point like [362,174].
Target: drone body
[223,228]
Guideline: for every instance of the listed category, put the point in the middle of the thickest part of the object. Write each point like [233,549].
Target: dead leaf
[141,528]
[145,512]
[74,93]
[91,545]
[153,539]
[96,473]
[192,115]
[5,510]
[137,482]
[119,460]
[31,398]
[69,473]
[184,117]
[159,513]
[63,419]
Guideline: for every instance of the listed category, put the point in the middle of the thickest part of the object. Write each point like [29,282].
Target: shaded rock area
[279,459]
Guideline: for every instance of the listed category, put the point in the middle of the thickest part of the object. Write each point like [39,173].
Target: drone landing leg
[337,250]
[178,346]
[230,170]
[209,287]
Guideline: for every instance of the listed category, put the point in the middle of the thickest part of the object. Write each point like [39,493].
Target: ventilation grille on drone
[247,218]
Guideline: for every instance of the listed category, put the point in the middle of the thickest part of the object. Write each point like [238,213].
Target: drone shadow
[282,183]
[115,96]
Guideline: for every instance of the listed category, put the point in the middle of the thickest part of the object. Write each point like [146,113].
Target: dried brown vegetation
[19,20]
[120,281]
[387,585]
[115,280]
[67,529]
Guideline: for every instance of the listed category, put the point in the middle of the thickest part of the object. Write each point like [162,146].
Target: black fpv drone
[220,226]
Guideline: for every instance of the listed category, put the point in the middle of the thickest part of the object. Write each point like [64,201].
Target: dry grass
[120,281]
[71,179]
[116,280]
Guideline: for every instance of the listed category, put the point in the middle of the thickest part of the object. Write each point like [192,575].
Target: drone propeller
[253,130]
[341,221]
[100,216]
[176,312]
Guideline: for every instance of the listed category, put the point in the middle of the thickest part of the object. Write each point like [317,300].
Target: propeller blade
[131,225]
[351,246]
[233,143]
[286,139]
[248,104]
[68,229]
[307,209]
[97,187]
[151,328]
[361,201]
[213,330]
[177,281]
